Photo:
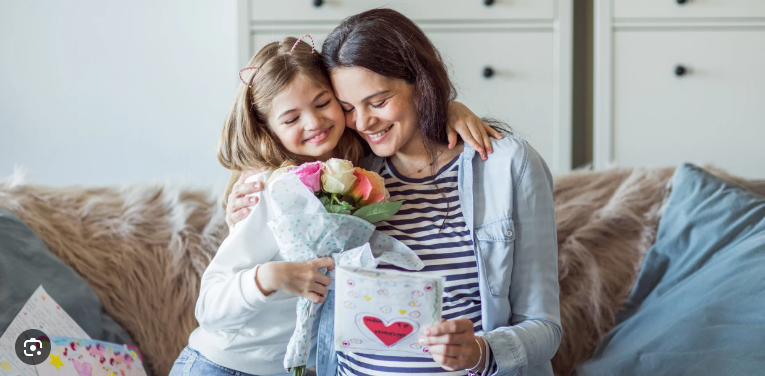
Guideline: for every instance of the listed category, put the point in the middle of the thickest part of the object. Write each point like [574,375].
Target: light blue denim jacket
[507,202]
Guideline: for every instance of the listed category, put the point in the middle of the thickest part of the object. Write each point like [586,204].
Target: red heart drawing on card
[389,333]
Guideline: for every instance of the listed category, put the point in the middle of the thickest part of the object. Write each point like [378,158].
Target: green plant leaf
[346,205]
[378,212]
[325,200]
[337,209]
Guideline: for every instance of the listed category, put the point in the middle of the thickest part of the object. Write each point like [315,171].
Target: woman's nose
[364,121]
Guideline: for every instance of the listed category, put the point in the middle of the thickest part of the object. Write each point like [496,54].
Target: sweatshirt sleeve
[229,296]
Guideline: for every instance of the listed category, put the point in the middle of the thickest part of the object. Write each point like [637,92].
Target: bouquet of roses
[328,209]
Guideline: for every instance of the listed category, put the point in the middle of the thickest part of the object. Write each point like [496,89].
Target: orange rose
[369,187]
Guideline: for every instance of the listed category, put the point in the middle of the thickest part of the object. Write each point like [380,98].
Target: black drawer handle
[488,3]
[488,72]
[318,3]
[680,71]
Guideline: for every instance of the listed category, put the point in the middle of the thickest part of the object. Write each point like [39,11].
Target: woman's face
[307,118]
[379,108]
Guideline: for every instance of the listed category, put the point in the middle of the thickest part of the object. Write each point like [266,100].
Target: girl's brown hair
[247,142]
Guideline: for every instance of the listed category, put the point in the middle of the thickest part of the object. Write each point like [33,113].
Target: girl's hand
[297,277]
[237,204]
[471,128]
[453,345]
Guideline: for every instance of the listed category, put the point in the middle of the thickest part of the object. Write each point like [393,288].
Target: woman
[488,226]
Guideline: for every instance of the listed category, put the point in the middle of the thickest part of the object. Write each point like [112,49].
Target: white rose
[338,176]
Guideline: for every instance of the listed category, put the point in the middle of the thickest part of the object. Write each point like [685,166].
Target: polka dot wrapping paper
[384,312]
[304,231]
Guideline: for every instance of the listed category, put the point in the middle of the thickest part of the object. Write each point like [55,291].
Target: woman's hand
[453,345]
[302,278]
[471,128]
[237,204]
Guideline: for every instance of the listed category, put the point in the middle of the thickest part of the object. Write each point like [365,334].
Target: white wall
[97,92]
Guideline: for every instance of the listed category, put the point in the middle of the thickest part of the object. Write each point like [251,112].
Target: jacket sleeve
[229,296]
[535,332]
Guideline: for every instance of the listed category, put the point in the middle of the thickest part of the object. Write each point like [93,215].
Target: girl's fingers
[493,132]
[451,136]
[486,140]
[312,296]
[323,280]
[245,202]
[320,289]
[477,140]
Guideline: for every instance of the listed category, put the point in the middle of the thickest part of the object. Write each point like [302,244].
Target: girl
[284,113]
[488,228]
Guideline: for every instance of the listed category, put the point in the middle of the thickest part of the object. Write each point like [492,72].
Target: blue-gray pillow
[26,263]
[698,306]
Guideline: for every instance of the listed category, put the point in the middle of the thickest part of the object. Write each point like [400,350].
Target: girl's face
[379,108]
[307,119]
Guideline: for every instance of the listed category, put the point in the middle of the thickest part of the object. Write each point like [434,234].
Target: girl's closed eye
[347,111]
[292,121]
[325,104]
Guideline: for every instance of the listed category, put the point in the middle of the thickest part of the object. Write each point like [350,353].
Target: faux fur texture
[143,249]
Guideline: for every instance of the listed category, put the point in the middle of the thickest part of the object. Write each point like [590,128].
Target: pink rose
[369,187]
[310,175]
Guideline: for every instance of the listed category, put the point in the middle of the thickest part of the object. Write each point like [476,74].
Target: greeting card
[384,311]
[85,357]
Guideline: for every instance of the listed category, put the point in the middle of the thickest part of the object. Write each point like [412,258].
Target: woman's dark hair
[388,43]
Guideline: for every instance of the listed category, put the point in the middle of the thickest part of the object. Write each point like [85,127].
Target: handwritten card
[385,312]
[86,357]
[39,312]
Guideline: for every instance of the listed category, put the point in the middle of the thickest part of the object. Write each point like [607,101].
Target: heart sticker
[388,333]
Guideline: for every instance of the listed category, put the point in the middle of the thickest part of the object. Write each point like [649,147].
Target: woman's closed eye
[378,105]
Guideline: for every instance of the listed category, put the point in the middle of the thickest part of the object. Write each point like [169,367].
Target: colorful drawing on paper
[383,311]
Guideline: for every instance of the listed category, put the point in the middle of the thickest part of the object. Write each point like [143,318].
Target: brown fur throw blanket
[164,236]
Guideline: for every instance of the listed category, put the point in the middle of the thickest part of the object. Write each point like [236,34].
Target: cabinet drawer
[520,90]
[689,9]
[336,10]
[714,113]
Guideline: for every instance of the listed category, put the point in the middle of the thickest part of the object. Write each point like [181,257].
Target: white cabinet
[526,44]
[680,87]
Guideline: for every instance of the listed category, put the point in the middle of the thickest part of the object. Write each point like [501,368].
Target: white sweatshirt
[239,327]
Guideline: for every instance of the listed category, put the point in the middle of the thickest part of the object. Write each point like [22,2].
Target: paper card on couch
[384,311]
[85,357]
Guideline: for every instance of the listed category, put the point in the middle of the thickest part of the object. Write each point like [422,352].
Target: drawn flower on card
[349,304]
[414,303]
[418,293]
[351,283]
[429,287]
[356,341]
[415,346]
[383,292]
[414,314]
[386,309]
[353,294]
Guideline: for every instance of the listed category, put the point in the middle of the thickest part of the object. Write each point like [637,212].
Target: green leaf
[324,200]
[378,212]
[337,209]
[346,205]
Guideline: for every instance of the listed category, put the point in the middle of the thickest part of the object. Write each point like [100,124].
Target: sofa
[143,248]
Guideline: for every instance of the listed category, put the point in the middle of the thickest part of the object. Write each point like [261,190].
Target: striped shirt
[446,248]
